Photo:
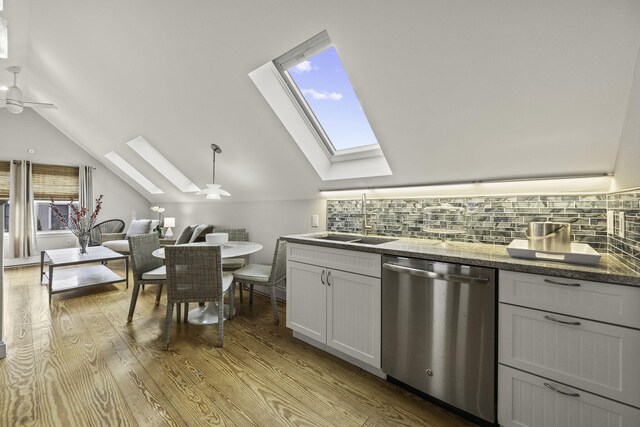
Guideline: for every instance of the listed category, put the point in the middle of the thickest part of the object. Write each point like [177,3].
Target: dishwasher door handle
[433,275]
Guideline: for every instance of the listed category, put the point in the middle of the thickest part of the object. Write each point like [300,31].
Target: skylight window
[162,165]
[310,92]
[317,78]
[133,173]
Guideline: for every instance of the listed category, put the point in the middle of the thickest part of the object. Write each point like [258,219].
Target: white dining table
[209,315]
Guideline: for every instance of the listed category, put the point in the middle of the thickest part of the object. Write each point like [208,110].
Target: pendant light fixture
[213,191]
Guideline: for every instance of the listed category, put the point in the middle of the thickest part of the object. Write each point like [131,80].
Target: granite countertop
[609,270]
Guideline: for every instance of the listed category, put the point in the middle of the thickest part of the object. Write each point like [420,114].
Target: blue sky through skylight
[325,86]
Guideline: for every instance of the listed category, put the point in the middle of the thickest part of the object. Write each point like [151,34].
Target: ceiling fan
[14,102]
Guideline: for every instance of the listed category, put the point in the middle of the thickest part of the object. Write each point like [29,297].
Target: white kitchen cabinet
[603,302]
[526,400]
[574,345]
[354,315]
[594,356]
[333,306]
[306,300]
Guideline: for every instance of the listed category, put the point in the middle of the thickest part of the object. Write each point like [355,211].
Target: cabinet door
[526,400]
[354,315]
[593,356]
[306,300]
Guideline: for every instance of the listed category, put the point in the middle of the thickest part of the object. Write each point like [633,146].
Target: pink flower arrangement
[80,222]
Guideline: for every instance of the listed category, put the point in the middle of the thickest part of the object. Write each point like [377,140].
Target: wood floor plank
[143,339]
[77,386]
[147,402]
[80,363]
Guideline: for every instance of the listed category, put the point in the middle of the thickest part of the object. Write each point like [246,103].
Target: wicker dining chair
[146,268]
[109,226]
[232,264]
[265,275]
[194,274]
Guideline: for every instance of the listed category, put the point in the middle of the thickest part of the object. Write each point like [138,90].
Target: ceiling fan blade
[40,105]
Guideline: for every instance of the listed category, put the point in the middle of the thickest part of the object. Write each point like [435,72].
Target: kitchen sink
[365,240]
[338,238]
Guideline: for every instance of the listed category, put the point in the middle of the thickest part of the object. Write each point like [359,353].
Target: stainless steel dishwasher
[438,331]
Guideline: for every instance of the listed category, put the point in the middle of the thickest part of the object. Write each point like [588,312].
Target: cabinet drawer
[340,259]
[604,302]
[525,400]
[593,356]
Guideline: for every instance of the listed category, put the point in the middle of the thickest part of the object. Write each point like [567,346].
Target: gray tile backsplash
[627,248]
[496,219]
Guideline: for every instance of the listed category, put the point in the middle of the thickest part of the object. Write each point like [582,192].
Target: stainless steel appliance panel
[438,331]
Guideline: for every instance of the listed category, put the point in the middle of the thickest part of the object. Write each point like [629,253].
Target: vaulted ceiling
[455,90]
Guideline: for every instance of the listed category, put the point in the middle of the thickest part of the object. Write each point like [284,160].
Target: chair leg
[178,312]
[186,311]
[134,299]
[274,305]
[251,294]
[232,300]
[219,341]
[240,289]
[167,326]
[158,295]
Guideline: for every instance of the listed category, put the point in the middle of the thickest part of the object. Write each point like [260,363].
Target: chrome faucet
[365,227]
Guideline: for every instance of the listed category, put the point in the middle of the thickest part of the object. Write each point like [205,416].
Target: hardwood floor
[79,363]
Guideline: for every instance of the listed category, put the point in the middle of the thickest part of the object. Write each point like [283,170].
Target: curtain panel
[86,187]
[22,219]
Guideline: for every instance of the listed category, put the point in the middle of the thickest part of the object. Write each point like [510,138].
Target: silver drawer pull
[553,282]
[329,278]
[562,321]
[322,277]
[550,387]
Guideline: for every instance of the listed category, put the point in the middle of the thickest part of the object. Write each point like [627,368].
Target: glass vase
[83,241]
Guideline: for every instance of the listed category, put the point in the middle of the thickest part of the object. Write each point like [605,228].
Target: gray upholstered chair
[146,268]
[194,274]
[265,275]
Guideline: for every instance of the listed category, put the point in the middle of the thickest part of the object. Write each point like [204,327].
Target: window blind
[59,182]
[4,180]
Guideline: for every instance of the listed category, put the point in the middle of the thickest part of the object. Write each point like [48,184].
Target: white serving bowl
[217,239]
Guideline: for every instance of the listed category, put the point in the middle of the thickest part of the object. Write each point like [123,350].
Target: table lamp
[169,222]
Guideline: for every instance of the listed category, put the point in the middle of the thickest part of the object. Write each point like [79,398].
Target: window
[316,77]
[310,92]
[59,182]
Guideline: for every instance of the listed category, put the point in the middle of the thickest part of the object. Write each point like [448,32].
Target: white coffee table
[209,315]
[82,276]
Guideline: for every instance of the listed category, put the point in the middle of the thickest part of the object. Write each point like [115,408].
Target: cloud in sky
[303,67]
[330,96]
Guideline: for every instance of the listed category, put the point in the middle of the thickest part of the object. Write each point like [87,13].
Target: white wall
[20,132]
[265,221]
[627,172]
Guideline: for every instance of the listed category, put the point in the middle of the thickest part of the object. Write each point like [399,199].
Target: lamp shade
[169,222]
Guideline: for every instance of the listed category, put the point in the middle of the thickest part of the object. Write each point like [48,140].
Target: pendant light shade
[213,191]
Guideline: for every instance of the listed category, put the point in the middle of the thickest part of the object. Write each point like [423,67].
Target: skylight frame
[149,153]
[133,173]
[295,56]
